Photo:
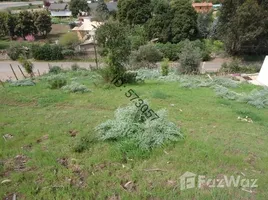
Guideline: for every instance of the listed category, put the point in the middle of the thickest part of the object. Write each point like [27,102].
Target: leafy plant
[165,66]
[55,70]
[56,81]
[225,93]
[75,67]
[24,82]
[27,65]
[69,40]
[131,124]
[75,87]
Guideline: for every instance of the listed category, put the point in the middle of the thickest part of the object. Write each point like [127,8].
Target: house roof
[204,4]
[88,26]
[58,6]
[110,5]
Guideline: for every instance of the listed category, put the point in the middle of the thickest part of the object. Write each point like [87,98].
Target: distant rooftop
[204,4]
[110,5]
[58,6]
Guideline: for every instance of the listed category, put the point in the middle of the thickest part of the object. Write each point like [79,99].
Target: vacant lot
[45,130]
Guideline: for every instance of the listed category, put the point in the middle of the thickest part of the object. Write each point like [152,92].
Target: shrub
[15,51]
[257,98]
[24,82]
[168,50]
[68,53]
[55,70]
[190,58]
[75,67]
[56,52]
[75,87]
[56,81]
[48,52]
[27,65]
[130,124]
[69,40]
[129,77]
[164,66]
[149,53]
[225,92]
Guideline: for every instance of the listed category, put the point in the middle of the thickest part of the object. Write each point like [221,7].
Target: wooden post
[13,72]
[2,83]
[38,72]
[21,72]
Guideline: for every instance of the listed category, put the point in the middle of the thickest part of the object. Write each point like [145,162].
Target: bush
[55,70]
[48,52]
[149,53]
[168,50]
[16,50]
[75,67]
[130,124]
[257,98]
[56,81]
[235,66]
[75,87]
[225,92]
[164,66]
[25,82]
[69,40]
[129,77]
[68,53]
[27,65]
[190,58]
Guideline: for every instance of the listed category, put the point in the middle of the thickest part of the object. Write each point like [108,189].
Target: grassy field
[40,160]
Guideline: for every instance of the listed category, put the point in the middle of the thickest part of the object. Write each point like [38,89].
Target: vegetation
[102,10]
[78,5]
[27,65]
[58,148]
[69,40]
[164,67]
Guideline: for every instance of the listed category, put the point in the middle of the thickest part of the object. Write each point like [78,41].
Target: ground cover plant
[50,150]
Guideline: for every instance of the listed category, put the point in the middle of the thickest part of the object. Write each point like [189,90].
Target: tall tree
[244,27]
[134,11]
[159,25]
[11,23]
[43,23]
[112,38]
[25,25]
[102,10]
[183,25]
[78,5]
[3,24]
[204,24]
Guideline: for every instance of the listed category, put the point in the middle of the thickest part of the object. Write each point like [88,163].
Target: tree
[11,24]
[3,24]
[78,5]
[183,24]
[69,40]
[204,24]
[243,26]
[134,11]
[102,10]
[43,23]
[112,38]
[159,25]
[190,58]
[25,25]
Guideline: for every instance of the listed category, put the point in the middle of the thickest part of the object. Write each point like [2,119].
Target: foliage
[183,24]
[48,52]
[134,11]
[225,92]
[27,65]
[190,58]
[159,25]
[43,23]
[170,51]
[17,50]
[129,77]
[68,53]
[75,67]
[56,81]
[69,40]
[25,25]
[204,24]
[55,70]
[164,67]
[24,82]
[137,36]
[257,98]
[236,66]
[3,24]
[130,124]
[75,87]
[148,74]
[148,53]
[243,27]
[84,143]
[102,10]
[112,38]
[78,5]
[30,38]
[11,23]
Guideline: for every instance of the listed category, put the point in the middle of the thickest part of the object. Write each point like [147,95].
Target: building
[112,6]
[59,10]
[86,32]
[202,7]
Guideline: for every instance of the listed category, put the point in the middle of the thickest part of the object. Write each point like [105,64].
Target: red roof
[202,4]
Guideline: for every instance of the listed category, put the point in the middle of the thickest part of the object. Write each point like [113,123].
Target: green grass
[215,144]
